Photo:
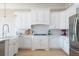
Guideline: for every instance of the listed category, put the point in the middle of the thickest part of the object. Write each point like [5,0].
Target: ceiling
[24,6]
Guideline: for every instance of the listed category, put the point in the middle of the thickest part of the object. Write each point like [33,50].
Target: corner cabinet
[40,16]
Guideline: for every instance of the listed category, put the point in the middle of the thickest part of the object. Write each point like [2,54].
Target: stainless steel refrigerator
[74,35]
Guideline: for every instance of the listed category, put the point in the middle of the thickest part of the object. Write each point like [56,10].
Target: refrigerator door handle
[76,28]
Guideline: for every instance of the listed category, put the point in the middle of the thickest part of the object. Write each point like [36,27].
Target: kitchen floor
[51,52]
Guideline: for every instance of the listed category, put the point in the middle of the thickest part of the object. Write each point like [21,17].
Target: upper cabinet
[57,20]
[23,19]
[40,16]
[54,20]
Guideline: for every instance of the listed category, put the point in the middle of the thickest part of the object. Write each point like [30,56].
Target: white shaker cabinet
[44,42]
[40,42]
[54,42]
[25,42]
[55,20]
[66,45]
[40,16]
[23,19]
[21,42]
[58,20]
[6,47]
[13,46]
[35,42]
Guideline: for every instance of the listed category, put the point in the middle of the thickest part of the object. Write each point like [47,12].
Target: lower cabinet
[6,47]
[66,45]
[35,43]
[59,42]
[40,42]
[54,42]
[25,42]
[44,42]
[13,47]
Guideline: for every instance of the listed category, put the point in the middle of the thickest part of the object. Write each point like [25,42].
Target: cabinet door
[27,42]
[7,48]
[55,20]
[46,16]
[40,16]
[34,16]
[21,42]
[35,43]
[61,42]
[16,45]
[44,42]
[66,45]
[11,47]
[23,19]
[54,42]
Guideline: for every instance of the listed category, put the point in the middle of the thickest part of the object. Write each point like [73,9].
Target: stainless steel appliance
[74,35]
[2,48]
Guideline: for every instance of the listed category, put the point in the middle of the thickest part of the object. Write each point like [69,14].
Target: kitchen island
[8,46]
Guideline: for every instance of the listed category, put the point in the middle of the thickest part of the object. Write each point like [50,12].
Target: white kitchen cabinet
[23,19]
[6,47]
[13,46]
[21,42]
[25,42]
[44,42]
[40,16]
[54,42]
[40,42]
[66,45]
[57,20]
[61,42]
[35,43]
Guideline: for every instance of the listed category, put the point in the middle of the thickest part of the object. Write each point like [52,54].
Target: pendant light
[4,10]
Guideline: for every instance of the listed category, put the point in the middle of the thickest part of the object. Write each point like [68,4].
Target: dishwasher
[2,48]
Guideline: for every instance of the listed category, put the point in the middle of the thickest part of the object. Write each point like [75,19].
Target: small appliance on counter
[64,32]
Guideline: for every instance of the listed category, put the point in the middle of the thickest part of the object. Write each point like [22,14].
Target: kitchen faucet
[3,29]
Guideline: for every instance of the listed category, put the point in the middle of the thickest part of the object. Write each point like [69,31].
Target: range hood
[40,29]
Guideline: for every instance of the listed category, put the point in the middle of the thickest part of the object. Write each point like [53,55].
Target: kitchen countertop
[2,39]
[6,38]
